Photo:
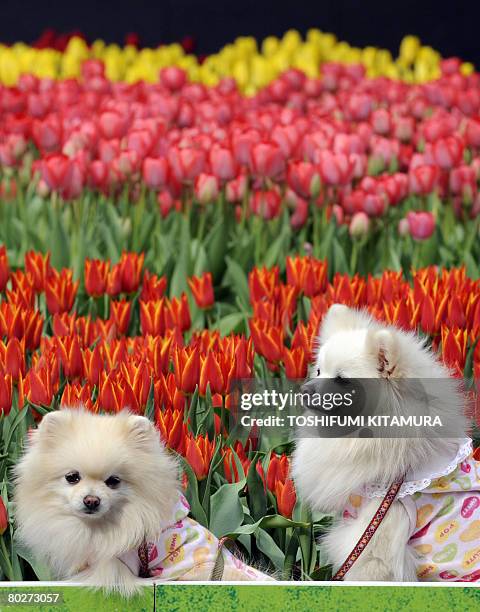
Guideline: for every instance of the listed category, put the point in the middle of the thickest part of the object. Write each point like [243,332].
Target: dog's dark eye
[112,482]
[73,477]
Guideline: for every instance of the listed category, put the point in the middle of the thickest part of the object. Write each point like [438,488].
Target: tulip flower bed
[105,163]
[112,340]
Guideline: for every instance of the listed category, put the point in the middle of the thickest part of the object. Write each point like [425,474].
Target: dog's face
[91,466]
[351,348]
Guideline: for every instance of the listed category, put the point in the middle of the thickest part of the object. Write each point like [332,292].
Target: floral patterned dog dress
[443,506]
[188,551]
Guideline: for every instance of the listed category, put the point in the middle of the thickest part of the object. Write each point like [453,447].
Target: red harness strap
[370,530]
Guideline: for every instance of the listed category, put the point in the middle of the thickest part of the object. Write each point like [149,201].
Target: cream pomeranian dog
[98,499]
[349,476]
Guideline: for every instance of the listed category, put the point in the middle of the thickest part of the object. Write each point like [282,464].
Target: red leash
[370,530]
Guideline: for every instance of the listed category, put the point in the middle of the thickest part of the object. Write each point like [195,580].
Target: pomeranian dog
[429,532]
[98,499]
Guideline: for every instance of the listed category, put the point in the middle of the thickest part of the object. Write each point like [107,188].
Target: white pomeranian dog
[428,532]
[98,499]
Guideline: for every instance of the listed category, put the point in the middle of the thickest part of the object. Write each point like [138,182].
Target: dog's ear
[52,423]
[382,344]
[141,429]
[338,318]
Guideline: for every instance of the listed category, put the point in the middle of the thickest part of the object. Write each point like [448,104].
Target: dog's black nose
[91,502]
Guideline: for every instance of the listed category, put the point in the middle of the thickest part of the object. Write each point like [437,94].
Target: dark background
[451,27]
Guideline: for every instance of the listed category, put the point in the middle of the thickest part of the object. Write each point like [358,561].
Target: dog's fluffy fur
[327,471]
[50,512]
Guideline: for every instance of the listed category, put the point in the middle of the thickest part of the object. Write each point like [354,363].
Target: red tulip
[173,78]
[423,179]
[4,268]
[335,169]
[96,276]
[155,172]
[186,163]
[463,181]
[236,189]
[47,134]
[267,160]
[130,271]
[222,163]
[112,124]
[39,388]
[421,224]
[153,287]
[296,364]
[186,366]
[202,290]
[304,179]
[120,315]
[448,152]
[3,517]
[64,175]
[266,204]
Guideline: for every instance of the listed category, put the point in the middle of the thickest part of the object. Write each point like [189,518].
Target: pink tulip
[222,163]
[421,224]
[206,188]
[359,225]
[155,172]
[267,160]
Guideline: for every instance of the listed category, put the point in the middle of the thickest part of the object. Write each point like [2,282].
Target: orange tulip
[23,293]
[96,276]
[277,470]
[178,313]
[120,315]
[70,356]
[38,386]
[199,452]
[12,357]
[262,282]
[268,340]
[6,388]
[37,267]
[286,497]
[21,323]
[153,287]
[211,374]
[173,429]
[296,363]
[77,394]
[202,290]
[308,275]
[130,265]
[186,366]
[60,291]
[152,317]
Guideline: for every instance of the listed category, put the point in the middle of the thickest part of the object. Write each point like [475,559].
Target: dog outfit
[187,551]
[443,505]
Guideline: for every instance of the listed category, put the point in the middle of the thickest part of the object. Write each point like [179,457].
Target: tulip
[153,287]
[4,268]
[307,275]
[76,395]
[120,315]
[286,497]
[178,314]
[60,291]
[202,290]
[112,124]
[300,214]
[266,204]
[463,181]
[222,163]
[6,387]
[295,361]
[403,227]
[96,276]
[206,188]
[423,179]
[236,189]
[3,517]
[155,172]
[37,267]
[186,163]
[448,152]
[173,429]
[14,358]
[421,224]
[267,160]
[93,364]
[130,270]
[186,366]
[359,225]
[70,356]
[278,468]
[64,175]
[268,340]
[304,179]
[199,452]
[173,78]
[335,169]
[39,388]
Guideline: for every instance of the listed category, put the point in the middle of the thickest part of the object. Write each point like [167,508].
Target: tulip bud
[206,188]
[359,225]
